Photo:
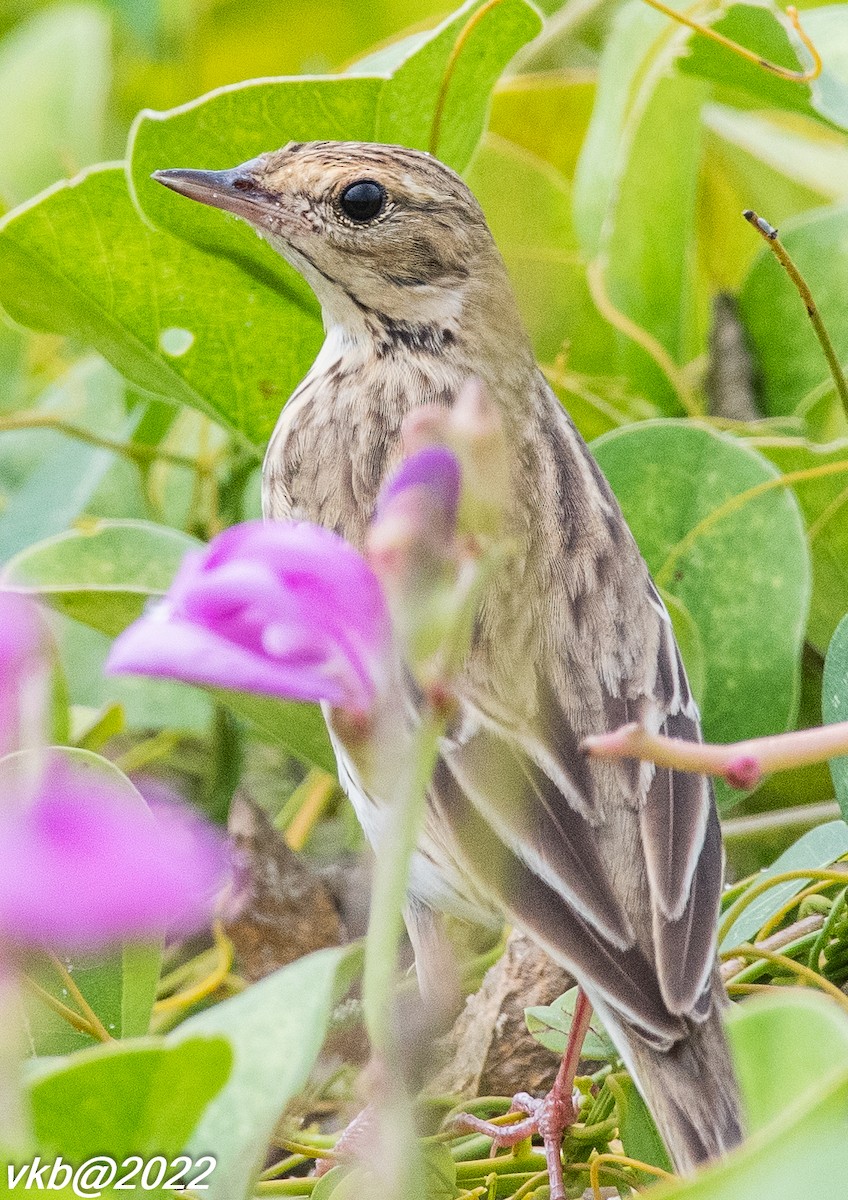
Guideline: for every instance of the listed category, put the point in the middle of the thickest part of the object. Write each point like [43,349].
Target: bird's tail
[690,1089]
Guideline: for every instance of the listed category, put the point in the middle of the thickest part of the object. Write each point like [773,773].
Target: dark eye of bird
[363,200]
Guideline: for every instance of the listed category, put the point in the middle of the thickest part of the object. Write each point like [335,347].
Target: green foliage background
[153,342]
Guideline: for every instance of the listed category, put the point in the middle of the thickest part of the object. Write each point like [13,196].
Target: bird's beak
[236,191]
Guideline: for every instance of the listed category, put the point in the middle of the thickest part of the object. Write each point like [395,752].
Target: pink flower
[286,609]
[82,867]
[24,674]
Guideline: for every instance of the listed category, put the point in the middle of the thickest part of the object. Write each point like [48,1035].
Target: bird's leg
[548,1117]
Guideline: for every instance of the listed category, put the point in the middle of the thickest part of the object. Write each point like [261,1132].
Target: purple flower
[82,867]
[286,609]
[431,480]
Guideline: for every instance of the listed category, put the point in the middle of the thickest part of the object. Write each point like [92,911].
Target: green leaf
[741,568]
[103,574]
[636,167]
[299,727]
[550,1025]
[738,80]
[791,1055]
[120,987]
[344,1183]
[276,1029]
[54,80]
[66,474]
[532,225]
[823,501]
[638,1133]
[456,67]
[80,261]
[835,704]
[776,318]
[143,1098]
[815,850]
[827,28]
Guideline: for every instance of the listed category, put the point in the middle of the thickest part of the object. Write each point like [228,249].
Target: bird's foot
[547,1118]
[353,1141]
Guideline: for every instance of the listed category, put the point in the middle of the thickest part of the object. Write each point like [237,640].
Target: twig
[741,764]
[753,953]
[67,1014]
[621,1160]
[807,76]
[769,233]
[98,1028]
[137,452]
[777,941]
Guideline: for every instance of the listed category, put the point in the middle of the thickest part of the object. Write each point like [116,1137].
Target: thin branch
[741,764]
[769,234]
[807,76]
[67,1014]
[137,452]
[777,941]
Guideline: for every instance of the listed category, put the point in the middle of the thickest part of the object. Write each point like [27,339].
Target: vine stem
[769,234]
[138,453]
[807,76]
[741,764]
[765,885]
[98,1029]
[803,972]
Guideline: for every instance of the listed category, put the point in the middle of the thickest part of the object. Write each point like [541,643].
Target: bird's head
[373,229]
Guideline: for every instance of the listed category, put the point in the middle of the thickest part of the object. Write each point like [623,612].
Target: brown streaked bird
[615,869]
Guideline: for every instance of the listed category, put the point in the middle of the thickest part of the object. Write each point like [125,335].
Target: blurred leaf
[276,1029]
[547,114]
[635,189]
[550,1025]
[532,225]
[828,29]
[54,79]
[103,574]
[824,504]
[744,576]
[120,987]
[776,318]
[793,1046]
[66,475]
[835,704]
[815,850]
[81,261]
[638,1133]
[791,1054]
[297,726]
[163,1091]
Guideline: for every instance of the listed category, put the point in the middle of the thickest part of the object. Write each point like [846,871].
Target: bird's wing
[535,805]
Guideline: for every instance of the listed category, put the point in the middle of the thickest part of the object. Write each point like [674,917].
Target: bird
[614,868]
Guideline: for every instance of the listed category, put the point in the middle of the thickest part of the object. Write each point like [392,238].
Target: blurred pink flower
[286,609]
[82,867]
[24,674]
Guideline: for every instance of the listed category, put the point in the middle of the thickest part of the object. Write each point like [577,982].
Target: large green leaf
[740,568]
[814,850]
[102,574]
[142,1098]
[79,260]
[787,351]
[121,986]
[835,704]
[54,80]
[829,31]
[791,1054]
[824,503]
[276,1029]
